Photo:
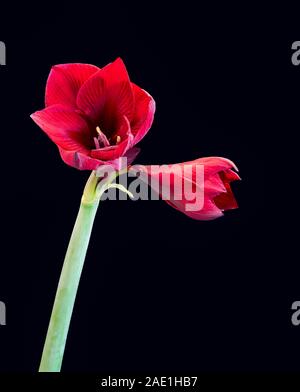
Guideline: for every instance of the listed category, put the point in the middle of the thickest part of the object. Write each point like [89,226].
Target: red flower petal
[226,200]
[82,161]
[64,126]
[107,94]
[143,114]
[213,165]
[209,211]
[64,82]
[79,160]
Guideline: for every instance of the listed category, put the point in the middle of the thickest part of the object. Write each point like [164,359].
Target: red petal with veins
[107,95]
[64,126]
[64,82]
[143,113]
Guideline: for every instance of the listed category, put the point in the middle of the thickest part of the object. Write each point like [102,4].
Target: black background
[159,292]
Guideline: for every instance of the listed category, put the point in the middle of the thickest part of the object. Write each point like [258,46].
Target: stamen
[118,139]
[96,142]
[101,140]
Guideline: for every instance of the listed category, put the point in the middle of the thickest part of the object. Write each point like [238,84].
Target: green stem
[69,280]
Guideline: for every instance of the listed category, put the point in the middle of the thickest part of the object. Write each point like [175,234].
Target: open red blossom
[94,115]
[200,188]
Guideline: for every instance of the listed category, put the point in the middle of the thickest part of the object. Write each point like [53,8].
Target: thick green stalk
[69,280]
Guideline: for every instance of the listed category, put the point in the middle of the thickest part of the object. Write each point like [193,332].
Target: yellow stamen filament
[118,139]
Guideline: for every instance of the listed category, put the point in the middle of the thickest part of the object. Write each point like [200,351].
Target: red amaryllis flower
[200,188]
[94,115]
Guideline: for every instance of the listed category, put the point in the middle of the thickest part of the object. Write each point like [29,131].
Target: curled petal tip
[234,166]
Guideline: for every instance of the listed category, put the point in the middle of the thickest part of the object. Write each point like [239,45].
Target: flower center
[102,141]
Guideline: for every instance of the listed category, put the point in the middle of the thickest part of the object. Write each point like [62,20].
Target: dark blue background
[159,292]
